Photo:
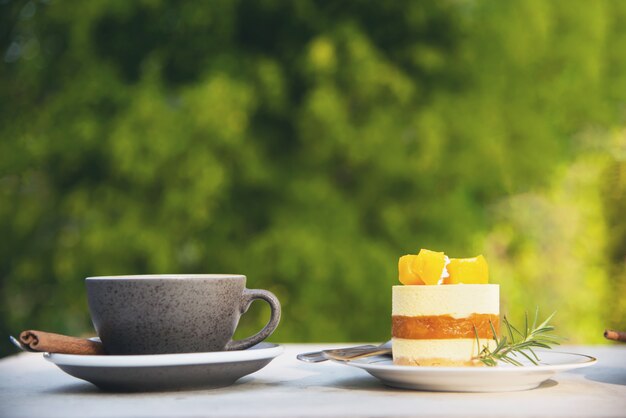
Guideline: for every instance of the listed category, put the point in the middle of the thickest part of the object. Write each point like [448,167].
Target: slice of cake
[435,321]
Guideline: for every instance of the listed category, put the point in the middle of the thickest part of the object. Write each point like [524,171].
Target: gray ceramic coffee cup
[182,313]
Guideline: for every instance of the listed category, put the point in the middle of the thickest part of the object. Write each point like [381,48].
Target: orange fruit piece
[423,268]
[468,271]
[406,275]
[428,265]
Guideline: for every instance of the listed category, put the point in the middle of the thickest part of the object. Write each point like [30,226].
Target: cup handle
[249,295]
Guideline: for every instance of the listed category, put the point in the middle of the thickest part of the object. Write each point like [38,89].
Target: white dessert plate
[166,371]
[501,378]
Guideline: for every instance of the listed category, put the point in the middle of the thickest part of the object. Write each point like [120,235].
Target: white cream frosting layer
[460,349]
[457,300]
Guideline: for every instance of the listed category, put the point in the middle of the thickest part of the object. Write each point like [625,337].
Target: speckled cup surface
[182,313]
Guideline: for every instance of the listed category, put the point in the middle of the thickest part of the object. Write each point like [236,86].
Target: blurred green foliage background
[308,145]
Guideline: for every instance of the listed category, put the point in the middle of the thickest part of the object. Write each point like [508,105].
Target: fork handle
[312,357]
[318,356]
[365,353]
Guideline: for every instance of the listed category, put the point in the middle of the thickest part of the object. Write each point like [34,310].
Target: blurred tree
[307,144]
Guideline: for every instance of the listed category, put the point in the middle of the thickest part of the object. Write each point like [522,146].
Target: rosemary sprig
[516,342]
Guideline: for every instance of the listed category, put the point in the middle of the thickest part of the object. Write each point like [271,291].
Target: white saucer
[501,378]
[166,371]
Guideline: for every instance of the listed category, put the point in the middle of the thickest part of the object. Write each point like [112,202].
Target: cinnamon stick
[615,335]
[62,344]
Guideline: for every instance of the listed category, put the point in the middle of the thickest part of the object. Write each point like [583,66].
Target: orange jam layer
[435,327]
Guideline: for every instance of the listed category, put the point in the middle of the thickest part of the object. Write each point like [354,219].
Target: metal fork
[345,354]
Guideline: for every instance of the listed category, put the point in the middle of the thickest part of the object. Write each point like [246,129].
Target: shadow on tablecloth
[603,374]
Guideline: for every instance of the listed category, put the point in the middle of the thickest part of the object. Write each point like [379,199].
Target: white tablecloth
[32,387]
